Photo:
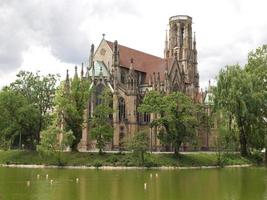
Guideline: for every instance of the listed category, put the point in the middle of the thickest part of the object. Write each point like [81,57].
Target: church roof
[143,62]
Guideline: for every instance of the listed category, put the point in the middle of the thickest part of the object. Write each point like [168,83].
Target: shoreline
[119,167]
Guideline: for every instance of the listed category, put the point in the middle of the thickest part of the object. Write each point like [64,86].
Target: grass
[121,159]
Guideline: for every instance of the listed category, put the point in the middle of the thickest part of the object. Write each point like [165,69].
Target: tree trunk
[265,157]
[177,148]
[243,143]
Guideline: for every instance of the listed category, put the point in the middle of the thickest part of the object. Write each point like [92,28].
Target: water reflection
[205,184]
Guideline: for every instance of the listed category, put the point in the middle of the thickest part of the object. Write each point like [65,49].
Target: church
[130,74]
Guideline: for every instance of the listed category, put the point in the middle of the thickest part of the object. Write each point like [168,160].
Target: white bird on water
[145,186]
[51,181]
[77,180]
[46,176]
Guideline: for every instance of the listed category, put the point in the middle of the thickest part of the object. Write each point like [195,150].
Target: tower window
[146,117]
[182,36]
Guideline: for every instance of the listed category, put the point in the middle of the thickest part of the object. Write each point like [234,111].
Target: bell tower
[181,45]
[180,36]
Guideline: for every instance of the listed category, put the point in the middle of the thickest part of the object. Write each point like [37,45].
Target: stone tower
[181,44]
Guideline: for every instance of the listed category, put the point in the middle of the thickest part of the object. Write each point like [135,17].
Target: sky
[52,36]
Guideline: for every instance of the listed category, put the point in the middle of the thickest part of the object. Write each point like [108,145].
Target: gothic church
[130,74]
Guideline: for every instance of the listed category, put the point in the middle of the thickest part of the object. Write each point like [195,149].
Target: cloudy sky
[54,35]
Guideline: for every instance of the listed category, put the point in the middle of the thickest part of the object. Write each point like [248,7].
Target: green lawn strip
[121,159]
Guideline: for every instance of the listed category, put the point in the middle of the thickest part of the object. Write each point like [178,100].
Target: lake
[87,184]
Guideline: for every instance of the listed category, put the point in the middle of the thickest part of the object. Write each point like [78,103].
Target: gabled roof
[143,62]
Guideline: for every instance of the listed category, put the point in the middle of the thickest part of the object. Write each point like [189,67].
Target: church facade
[130,74]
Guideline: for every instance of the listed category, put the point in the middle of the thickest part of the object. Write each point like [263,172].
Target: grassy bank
[121,159]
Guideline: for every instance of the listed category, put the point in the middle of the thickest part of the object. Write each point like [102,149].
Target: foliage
[71,101]
[39,91]
[17,120]
[241,93]
[102,130]
[54,141]
[139,144]
[176,117]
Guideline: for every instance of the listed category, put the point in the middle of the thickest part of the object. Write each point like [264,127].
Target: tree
[102,130]
[139,144]
[54,141]
[176,117]
[71,101]
[39,91]
[17,120]
[242,93]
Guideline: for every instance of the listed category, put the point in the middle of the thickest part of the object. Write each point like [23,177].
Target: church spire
[91,57]
[82,72]
[166,50]
[116,64]
[67,82]
[76,72]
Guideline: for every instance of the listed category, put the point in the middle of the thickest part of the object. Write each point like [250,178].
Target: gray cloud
[53,24]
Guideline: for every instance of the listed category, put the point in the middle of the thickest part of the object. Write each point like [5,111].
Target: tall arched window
[98,92]
[121,109]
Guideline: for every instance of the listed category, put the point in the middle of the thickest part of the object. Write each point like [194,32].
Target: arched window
[121,109]
[98,91]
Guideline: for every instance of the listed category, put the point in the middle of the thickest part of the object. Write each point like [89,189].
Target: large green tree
[71,101]
[39,91]
[242,93]
[102,130]
[176,117]
[17,120]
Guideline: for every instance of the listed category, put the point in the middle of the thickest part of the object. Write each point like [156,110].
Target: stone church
[130,74]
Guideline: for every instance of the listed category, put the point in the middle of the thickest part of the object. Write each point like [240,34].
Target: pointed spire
[116,53]
[82,72]
[67,82]
[91,58]
[67,76]
[76,72]
[166,50]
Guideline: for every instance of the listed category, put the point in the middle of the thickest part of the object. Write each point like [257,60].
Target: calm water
[205,184]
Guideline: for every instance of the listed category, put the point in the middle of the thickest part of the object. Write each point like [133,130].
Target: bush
[97,163]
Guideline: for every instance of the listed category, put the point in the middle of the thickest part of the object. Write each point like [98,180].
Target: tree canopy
[176,117]
[17,120]
[71,101]
[101,129]
[242,94]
